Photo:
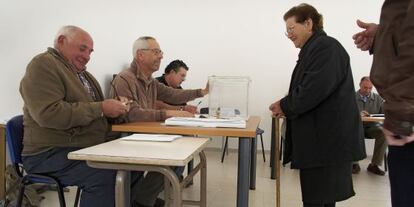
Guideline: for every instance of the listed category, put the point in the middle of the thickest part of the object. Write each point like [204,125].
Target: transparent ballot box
[228,96]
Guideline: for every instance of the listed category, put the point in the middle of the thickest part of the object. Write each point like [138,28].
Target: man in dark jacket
[174,75]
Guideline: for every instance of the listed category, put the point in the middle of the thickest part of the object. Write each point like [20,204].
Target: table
[246,172]
[2,162]
[126,156]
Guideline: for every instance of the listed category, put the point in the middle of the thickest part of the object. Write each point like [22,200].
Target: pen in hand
[127,102]
[199,104]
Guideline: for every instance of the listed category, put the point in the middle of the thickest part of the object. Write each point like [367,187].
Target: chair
[14,137]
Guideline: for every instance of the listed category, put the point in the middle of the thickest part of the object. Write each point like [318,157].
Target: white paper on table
[151,137]
[206,122]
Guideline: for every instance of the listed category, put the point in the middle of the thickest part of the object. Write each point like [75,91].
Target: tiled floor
[371,190]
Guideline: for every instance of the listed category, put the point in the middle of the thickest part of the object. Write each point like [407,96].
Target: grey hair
[67,30]
[140,43]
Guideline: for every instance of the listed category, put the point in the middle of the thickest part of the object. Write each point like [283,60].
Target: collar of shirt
[138,73]
[365,98]
[56,52]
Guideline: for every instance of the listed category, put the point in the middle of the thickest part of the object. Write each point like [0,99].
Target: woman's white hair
[66,31]
[140,43]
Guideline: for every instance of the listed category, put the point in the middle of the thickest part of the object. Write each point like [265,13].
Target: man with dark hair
[371,103]
[174,75]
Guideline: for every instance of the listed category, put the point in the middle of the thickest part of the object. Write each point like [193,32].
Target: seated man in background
[64,110]
[371,103]
[137,84]
[174,75]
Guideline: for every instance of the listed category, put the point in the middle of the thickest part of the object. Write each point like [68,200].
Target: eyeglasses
[289,30]
[155,51]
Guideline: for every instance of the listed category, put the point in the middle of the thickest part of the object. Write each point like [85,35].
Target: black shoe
[158,203]
[375,169]
[355,168]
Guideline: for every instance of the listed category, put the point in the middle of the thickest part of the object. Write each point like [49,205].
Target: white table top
[176,153]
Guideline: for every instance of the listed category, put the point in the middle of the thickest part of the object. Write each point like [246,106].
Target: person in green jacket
[64,110]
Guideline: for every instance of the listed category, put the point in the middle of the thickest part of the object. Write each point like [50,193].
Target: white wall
[232,37]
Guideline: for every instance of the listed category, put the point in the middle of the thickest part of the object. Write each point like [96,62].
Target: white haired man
[64,110]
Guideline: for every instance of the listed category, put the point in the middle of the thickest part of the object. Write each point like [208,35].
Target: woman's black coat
[323,122]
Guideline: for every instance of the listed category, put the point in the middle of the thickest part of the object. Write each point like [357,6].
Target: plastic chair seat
[14,137]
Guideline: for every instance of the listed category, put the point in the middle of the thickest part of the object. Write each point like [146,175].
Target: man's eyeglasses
[155,51]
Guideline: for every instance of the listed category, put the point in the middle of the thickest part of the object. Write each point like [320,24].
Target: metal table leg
[243,172]
[122,188]
[190,167]
[253,161]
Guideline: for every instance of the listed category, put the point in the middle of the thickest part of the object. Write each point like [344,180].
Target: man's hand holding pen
[113,108]
[190,108]
[126,103]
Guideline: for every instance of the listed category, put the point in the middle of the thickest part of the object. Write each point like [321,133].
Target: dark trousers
[146,191]
[401,174]
[98,186]
[374,132]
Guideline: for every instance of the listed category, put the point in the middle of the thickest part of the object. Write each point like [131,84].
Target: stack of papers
[206,122]
[376,115]
[151,137]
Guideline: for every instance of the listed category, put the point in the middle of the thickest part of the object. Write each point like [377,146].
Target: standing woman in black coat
[324,131]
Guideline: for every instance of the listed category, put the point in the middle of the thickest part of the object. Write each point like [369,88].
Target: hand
[114,108]
[393,141]
[364,113]
[205,90]
[276,109]
[175,113]
[125,101]
[364,40]
[190,108]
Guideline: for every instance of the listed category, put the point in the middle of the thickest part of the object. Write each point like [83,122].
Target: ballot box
[229,96]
